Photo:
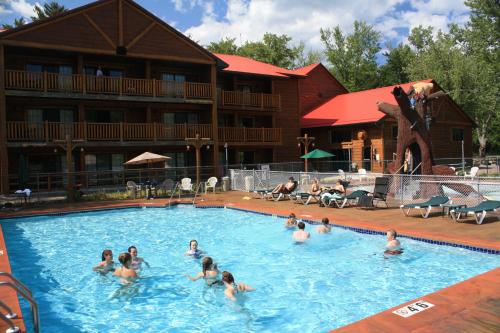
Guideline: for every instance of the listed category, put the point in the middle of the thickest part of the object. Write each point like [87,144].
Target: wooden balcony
[249,100]
[105,85]
[47,132]
[246,135]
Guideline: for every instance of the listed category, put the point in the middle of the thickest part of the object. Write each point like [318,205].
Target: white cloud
[248,20]
[184,5]
[22,7]
[4,10]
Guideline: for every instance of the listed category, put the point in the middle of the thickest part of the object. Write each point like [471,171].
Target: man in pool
[301,235]
[393,245]
[325,227]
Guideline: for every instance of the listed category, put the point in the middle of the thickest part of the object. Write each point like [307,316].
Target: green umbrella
[317,153]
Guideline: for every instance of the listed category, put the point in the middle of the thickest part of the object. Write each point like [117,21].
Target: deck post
[4,157]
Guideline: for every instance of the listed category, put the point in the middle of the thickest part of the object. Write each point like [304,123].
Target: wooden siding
[252,100]
[317,88]
[101,27]
[288,118]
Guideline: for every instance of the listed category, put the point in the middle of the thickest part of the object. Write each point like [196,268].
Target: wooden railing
[21,131]
[122,86]
[249,135]
[254,100]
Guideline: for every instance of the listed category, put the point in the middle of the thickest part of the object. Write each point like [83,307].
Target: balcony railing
[21,131]
[254,100]
[249,135]
[121,86]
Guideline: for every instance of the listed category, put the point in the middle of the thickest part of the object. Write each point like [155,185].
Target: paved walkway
[470,306]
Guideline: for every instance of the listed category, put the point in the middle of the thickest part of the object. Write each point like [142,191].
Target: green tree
[307,57]
[225,46]
[353,56]
[394,70]
[273,49]
[17,23]
[48,9]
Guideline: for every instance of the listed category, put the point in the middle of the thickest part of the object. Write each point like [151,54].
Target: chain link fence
[403,189]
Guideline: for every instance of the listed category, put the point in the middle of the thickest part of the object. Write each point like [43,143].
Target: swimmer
[291,222]
[209,272]
[325,227]
[393,245]
[107,264]
[125,272]
[233,288]
[194,251]
[136,261]
[301,235]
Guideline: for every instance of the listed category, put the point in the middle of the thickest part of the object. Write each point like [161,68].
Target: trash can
[226,184]
[249,183]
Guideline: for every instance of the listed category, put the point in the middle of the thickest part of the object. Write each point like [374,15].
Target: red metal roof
[306,69]
[245,65]
[352,108]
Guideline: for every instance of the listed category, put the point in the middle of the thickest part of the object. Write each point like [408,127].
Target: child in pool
[107,264]
[194,251]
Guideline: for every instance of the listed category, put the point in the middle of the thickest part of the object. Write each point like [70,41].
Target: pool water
[333,280]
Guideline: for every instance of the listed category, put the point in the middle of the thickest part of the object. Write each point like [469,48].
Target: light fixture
[55,150]
[187,147]
[82,150]
[298,144]
[208,147]
[313,144]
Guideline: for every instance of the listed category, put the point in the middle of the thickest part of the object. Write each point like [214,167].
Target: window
[457,134]
[341,135]
[171,118]
[173,84]
[394,133]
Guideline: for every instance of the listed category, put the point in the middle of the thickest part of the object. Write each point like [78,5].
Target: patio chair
[472,173]
[380,190]
[166,185]
[426,206]
[479,211]
[133,187]
[348,199]
[262,194]
[305,198]
[186,185]
[210,183]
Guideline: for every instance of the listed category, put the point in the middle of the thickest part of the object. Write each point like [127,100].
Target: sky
[247,20]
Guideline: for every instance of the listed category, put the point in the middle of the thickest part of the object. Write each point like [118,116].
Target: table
[449,207]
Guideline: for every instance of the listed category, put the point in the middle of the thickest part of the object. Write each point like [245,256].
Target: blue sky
[211,20]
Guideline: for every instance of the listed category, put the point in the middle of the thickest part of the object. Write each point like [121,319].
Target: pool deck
[469,306]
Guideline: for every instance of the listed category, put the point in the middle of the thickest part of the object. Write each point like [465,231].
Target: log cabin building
[120,81]
[117,81]
[350,125]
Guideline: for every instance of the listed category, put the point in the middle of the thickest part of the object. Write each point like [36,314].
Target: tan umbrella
[147,158]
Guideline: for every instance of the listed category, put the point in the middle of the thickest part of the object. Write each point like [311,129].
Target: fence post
[253,183]
[401,195]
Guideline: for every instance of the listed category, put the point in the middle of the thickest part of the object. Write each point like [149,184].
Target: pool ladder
[24,291]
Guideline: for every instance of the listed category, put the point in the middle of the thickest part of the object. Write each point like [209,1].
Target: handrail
[11,314]
[173,192]
[27,296]
[22,285]
[12,328]
[196,193]
[397,171]
[415,169]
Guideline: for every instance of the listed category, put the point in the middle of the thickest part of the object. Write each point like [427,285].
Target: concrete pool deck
[470,306]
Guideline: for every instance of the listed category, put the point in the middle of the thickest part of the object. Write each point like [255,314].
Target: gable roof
[352,108]
[104,31]
[243,65]
[306,69]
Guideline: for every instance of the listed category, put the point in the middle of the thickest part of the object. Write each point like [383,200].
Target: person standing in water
[126,273]
[136,261]
[233,288]
[301,235]
[209,272]
[325,227]
[107,264]
[194,251]
[393,245]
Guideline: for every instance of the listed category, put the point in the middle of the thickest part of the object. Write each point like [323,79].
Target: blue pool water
[329,282]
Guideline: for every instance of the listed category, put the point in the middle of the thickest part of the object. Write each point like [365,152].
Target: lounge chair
[479,211]
[262,194]
[425,207]
[277,196]
[305,197]
[210,183]
[348,199]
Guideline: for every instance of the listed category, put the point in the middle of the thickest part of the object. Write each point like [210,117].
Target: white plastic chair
[362,174]
[186,185]
[342,174]
[210,183]
[472,173]
[133,187]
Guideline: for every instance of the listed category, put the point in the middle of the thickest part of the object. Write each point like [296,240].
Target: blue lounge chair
[425,207]
[479,211]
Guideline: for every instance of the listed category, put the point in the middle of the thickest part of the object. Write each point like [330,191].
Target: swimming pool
[329,282]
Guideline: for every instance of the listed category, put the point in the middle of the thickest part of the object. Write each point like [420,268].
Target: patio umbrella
[147,158]
[317,153]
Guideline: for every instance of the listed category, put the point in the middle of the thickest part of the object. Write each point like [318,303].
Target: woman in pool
[209,272]
[325,227]
[136,261]
[125,272]
[233,288]
[291,222]
[393,245]
[107,264]
[194,251]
